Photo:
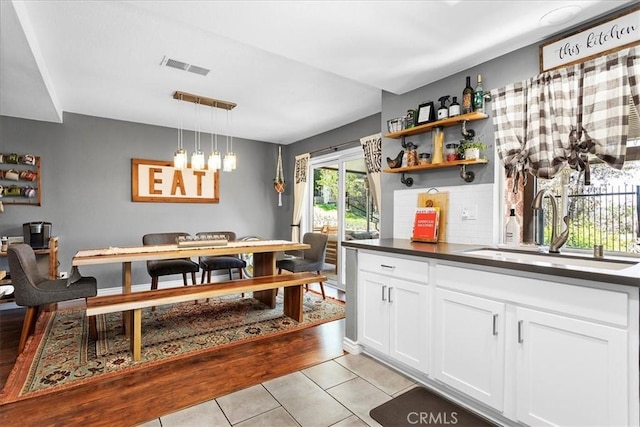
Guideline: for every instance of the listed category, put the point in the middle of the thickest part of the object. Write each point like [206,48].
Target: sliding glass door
[341,205]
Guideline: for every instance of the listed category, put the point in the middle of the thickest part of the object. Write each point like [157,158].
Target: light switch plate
[470,212]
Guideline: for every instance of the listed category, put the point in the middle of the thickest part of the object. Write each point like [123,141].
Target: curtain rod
[335,147]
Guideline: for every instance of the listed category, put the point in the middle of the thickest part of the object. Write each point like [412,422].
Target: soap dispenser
[443,111]
[512,230]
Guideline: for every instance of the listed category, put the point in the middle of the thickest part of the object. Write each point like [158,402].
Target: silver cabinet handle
[520,331]
[384,288]
[390,294]
[495,324]
[387,267]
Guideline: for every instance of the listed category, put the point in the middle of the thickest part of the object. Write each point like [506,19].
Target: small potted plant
[470,148]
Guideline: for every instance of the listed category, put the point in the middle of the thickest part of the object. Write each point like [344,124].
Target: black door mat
[419,406]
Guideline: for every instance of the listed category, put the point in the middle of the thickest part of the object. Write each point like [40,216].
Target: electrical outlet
[64,275]
[470,212]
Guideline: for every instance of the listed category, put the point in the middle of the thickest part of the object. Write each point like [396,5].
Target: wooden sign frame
[618,32]
[158,181]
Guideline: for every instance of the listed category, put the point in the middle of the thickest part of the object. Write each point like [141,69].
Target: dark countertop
[556,265]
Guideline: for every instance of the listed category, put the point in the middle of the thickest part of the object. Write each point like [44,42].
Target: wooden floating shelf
[409,169]
[451,121]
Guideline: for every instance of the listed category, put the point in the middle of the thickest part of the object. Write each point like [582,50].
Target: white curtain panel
[301,174]
[372,146]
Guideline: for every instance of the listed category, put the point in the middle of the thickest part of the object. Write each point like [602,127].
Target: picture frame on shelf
[426,113]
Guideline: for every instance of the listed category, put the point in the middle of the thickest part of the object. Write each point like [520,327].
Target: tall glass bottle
[467,97]
[478,96]
[438,142]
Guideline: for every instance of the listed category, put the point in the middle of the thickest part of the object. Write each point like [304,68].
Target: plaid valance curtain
[559,116]
[372,146]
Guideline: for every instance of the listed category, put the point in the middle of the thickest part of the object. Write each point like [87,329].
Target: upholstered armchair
[311,259]
[33,290]
[166,267]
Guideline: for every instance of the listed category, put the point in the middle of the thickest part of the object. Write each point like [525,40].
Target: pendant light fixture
[229,161]
[180,156]
[197,158]
[214,162]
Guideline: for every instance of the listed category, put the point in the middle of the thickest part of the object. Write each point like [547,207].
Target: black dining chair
[220,262]
[33,290]
[166,267]
[311,259]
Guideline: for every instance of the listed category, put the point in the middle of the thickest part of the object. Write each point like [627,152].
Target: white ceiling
[295,68]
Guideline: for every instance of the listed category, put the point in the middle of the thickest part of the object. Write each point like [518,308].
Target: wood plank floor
[152,392]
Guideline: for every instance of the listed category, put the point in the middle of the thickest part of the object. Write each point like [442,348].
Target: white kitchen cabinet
[469,345]
[392,310]
[570,371]
[561,355]
[373,311]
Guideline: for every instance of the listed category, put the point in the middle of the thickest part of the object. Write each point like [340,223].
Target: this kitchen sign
[614,34]
[158,181]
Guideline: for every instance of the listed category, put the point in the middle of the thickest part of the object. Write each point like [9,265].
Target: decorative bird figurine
[397,162]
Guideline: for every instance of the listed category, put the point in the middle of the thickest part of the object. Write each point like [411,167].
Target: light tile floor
[338,393]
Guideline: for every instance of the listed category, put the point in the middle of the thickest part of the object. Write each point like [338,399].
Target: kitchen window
[607,212]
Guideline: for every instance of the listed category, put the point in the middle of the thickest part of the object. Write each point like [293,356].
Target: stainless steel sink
[551,260]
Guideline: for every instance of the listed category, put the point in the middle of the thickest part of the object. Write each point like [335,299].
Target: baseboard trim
[350,346]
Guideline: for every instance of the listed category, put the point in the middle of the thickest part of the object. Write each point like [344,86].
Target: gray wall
[499,72]
[507,69]
[350,132]
[86,188]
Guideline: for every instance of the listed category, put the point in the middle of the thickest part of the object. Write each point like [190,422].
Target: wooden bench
[293,292]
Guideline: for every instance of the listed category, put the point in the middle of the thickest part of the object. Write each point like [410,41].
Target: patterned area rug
[62,353]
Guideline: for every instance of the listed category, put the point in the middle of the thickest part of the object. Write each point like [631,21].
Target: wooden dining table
[264,259]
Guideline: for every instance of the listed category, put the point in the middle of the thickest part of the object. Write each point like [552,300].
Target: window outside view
[360,216]
[604,213]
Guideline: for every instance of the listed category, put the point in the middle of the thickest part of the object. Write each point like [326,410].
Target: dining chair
[34,290]
[220,262]
[166,267]
[312,259]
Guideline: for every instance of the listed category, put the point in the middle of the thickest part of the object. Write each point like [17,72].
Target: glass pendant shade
[214,161]
[197,160]
[180,159]
[229,162]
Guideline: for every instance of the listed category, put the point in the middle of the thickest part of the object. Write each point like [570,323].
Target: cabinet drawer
[393,266]
[601,305]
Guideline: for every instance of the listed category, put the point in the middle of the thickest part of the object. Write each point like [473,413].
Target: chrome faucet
[557,240]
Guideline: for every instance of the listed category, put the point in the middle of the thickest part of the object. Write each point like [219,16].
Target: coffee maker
[37,234]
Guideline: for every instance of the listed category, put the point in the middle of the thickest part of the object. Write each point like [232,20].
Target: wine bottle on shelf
[467,97]
[478,96]
[454,107]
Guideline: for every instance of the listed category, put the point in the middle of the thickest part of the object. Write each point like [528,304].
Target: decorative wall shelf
[26,190]
[451,121]
[467,176]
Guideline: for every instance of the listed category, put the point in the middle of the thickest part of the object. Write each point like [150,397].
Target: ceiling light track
[211,102]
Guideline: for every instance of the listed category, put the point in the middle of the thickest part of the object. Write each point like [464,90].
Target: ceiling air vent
[173,63]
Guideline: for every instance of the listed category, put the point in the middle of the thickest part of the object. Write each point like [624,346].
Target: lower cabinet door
[373,311]
[469,345]
[570,371]
[408,314]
